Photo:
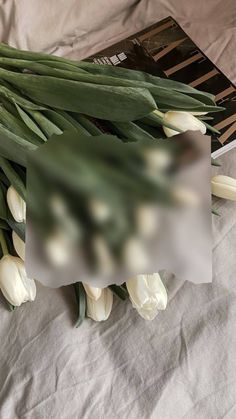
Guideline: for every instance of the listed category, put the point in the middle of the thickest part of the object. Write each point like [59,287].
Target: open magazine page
[165,50]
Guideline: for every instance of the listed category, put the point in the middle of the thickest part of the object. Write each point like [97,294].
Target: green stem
[215,162]
[81,302]
[10,306]
[3,243]
[215,212]
[13,177]
[158,113]
[158,117]
[210,128]
[119,291]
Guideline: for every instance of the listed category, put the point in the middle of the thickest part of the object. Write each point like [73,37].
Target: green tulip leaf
[81,302]
[29,122]
[13,177]
[3,205]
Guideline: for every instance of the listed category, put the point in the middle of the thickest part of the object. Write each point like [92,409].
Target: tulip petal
[16,205]
[100,310]
[147,294]
[148,314]
[93,292]
[157,287]
[224,187]
[184,121]
[19,245]
[16,287]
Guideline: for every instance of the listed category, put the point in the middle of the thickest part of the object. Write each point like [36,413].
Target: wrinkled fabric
[180,366]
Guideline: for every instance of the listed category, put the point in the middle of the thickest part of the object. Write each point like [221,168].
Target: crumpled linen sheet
[183,364]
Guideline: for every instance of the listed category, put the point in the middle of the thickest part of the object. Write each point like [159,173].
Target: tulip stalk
[215,212]
[120,291]
[3,243]
[215,162]
[81,302]
[160,117]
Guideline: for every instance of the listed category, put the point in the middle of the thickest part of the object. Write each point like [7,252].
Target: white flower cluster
[16,287]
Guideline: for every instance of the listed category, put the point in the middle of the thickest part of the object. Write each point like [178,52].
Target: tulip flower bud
[14,284]
[224,187]
[99,210]
[135,255]
[104,258]
[93,292]
[157,160]
[147,294]
[199,113]
[58,248]
[147,220]
[100,309]
[19,245]
[16,205]
[184,121]
[58,206]
[186,196]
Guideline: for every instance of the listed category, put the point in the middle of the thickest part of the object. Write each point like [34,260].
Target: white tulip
[147,294]
[99,210]
[58,248]
[199,113]
[93,292]
[19,245]
[16,205]
[147,220]
[186,196]
[16,287]
[135,255]
[157,159]
[100,309]
[105,260]
[58,206]
[184,121]
[224,187]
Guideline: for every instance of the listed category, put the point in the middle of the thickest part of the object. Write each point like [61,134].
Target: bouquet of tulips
[43,96]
